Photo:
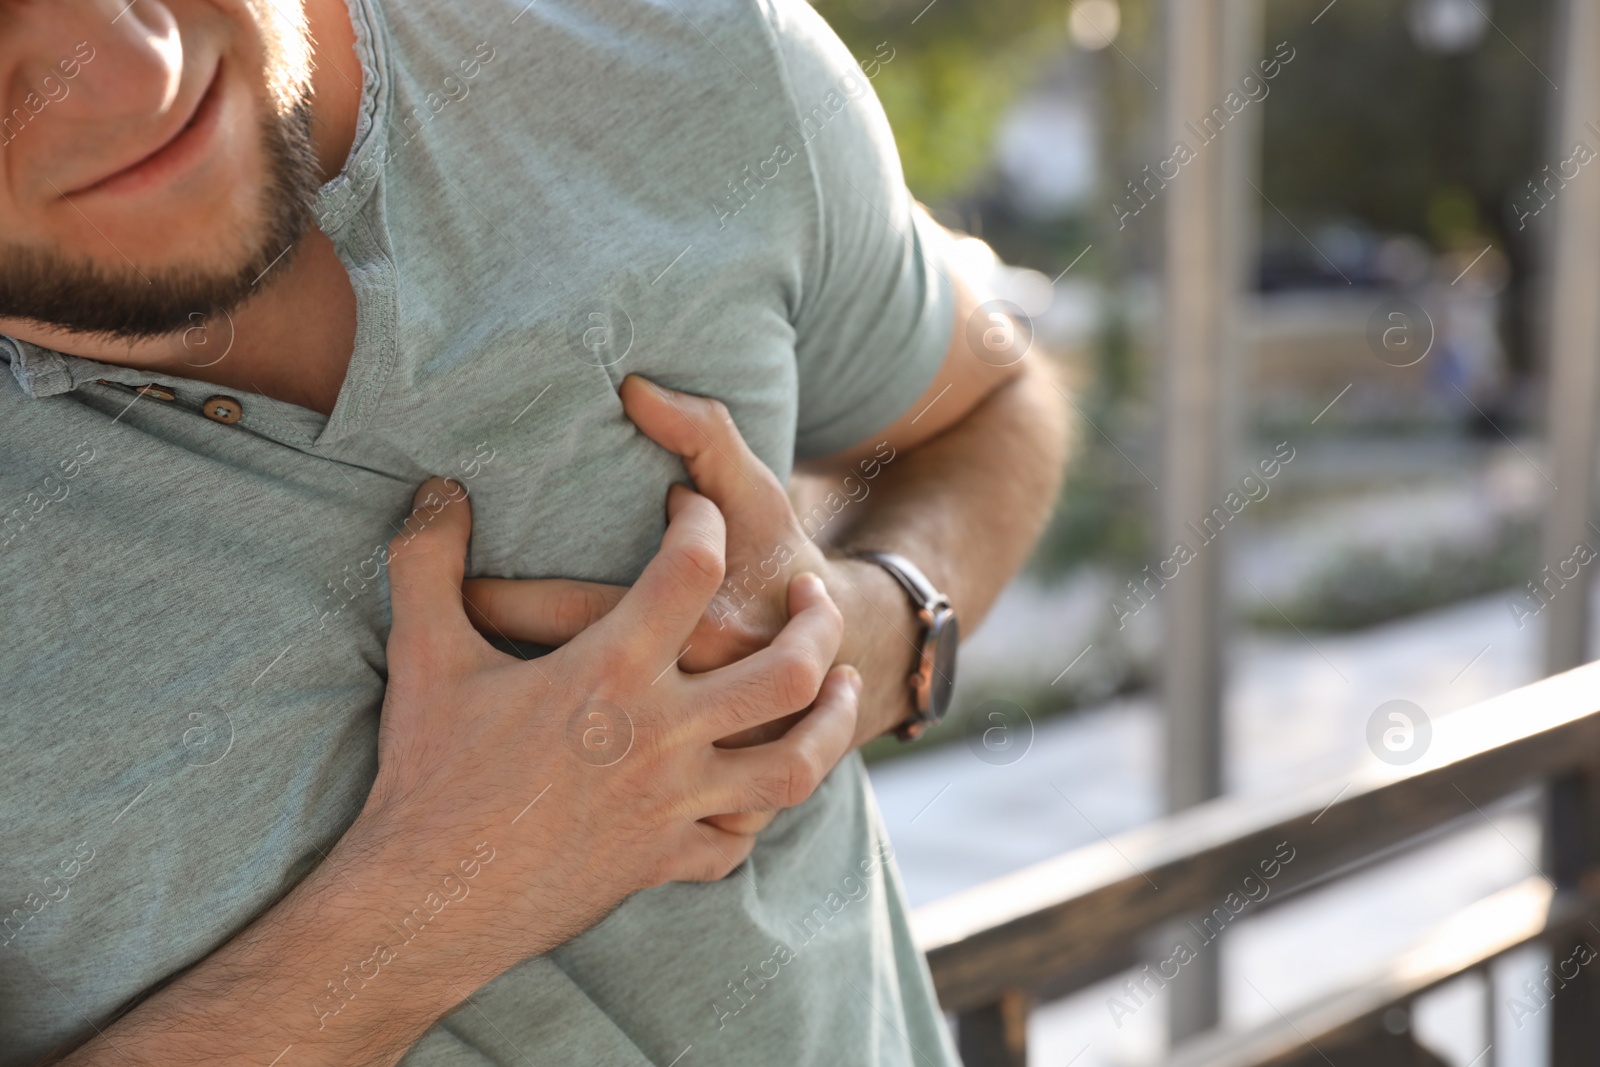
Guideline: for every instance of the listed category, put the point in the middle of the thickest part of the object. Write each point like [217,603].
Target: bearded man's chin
[57,292]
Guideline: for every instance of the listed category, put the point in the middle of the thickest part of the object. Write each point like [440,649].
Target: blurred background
[1397,157]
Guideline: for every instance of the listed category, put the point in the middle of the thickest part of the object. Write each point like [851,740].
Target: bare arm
[961,484]
[266,993]
[966,504]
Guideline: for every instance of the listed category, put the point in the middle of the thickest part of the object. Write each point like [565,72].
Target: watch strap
[911,579]
[933,609]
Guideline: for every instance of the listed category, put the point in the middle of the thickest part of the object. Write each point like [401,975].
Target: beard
[81,296]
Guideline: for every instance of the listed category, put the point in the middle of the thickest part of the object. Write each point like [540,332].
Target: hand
[766,546]
[766,543]
[470,736]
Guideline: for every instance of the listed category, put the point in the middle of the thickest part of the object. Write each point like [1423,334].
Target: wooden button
[223,409]
[155,392]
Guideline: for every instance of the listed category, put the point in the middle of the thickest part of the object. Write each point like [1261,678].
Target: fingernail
[853,678]
[810,583]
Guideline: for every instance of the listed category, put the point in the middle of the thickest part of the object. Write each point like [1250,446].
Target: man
[267,266]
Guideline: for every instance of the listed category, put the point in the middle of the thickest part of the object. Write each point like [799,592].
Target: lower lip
[183,151]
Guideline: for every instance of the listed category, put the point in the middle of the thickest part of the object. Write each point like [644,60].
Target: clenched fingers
[783,677]
[785,772]
[655,617]
[700,430]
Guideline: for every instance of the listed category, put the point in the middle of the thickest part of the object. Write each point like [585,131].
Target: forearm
[328,970]
[966,506]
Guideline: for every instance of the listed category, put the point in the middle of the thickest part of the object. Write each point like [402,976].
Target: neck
[292,343]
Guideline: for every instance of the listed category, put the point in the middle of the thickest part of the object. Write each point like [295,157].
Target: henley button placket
[223,409]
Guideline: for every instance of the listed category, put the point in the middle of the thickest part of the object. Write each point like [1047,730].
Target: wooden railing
[1061,925]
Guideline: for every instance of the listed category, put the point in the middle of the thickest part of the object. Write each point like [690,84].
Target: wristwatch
[933,673]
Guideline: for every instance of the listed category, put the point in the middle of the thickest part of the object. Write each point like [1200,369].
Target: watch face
[945,635]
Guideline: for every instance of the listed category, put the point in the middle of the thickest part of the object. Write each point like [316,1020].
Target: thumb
[700,430]
[426,561]
[545,611]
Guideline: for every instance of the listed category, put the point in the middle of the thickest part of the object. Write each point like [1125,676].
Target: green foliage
[1102,513]
[955,69]
[943,108]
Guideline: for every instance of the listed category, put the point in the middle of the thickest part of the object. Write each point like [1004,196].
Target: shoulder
[741,54]
[621,36]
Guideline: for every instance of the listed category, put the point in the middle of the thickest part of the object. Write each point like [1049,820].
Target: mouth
[185,147]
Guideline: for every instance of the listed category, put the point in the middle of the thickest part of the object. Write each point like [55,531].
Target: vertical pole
[995,1035]
[1574,337]
[1207,248]
[1571,823]
[1192,373]
[1571,849]
[1244,45]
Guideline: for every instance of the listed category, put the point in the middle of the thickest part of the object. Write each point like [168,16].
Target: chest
[197,615]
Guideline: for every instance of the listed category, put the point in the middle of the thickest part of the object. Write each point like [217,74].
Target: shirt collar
[40,371]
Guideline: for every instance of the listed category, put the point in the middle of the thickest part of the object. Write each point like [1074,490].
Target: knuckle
[404,543]
[794,681]
[697,565]
[576,609]
[797,780]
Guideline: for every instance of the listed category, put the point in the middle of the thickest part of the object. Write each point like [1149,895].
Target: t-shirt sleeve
[876,305]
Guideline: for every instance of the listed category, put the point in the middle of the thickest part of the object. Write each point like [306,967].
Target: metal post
[1574,340]
[995,1035]
[1210,45]
[1571,849]
[1572,806]
[1192,371]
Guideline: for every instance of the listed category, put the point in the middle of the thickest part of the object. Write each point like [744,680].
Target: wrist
[881,640]
[407,938]
[412,880]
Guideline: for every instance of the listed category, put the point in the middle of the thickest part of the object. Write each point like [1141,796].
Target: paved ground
[1297,710]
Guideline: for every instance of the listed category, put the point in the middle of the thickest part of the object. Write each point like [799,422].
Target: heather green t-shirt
[542,198]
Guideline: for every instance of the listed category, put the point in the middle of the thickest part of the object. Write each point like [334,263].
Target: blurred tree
[1369,124]
[1372,126]
[1366,127]
[957,65]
